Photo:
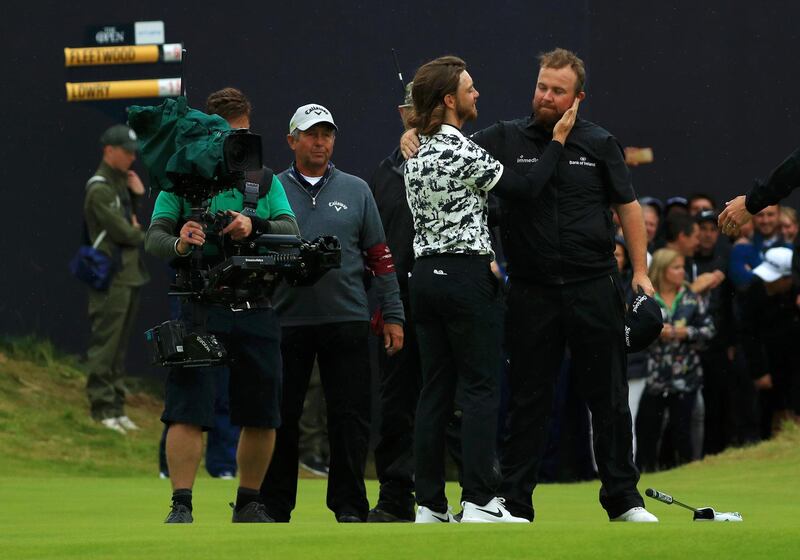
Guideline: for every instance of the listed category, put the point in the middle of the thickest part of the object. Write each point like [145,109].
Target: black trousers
[343,355]
[458,309]
[649,429]
[718,394]
[541,320]
[400,381]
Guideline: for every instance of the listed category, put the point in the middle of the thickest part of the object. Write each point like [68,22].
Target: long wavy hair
[432,82]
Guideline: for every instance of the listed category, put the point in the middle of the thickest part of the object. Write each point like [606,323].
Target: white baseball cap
[308,115]
[777,264]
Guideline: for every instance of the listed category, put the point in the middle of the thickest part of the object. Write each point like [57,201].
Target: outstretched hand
[734,216]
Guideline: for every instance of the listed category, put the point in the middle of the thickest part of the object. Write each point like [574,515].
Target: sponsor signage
[138,33]
[123,89]
[122,54]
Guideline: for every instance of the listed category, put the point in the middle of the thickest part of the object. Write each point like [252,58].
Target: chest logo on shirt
[527,159]
[582,161]
[338,206]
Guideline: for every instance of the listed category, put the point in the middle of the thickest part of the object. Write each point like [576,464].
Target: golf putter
[700,514]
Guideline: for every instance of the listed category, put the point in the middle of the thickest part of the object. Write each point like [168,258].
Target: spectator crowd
[723,372]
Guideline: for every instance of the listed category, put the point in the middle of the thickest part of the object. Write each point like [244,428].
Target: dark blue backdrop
[710,86]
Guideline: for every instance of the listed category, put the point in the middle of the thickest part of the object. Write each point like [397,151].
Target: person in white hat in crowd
[769,331]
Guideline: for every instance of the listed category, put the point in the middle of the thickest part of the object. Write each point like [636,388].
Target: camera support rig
[250,274]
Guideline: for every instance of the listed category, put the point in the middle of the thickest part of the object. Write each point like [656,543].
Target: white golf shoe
[427,515]
[493,512]
[127,424]
[637,515]
[113,424]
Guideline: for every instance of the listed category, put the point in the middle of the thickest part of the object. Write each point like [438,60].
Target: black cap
[677,201]
[652,201]
[120,135]
[707,216]
[643,323]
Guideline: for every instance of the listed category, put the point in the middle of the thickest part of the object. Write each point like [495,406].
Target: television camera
[196,157]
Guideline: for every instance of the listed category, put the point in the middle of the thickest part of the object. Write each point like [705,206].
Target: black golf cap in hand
[643,323]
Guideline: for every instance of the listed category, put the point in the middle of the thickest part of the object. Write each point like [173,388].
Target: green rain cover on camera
[175,139]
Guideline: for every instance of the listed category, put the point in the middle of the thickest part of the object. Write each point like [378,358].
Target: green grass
[69,489]
[45,425]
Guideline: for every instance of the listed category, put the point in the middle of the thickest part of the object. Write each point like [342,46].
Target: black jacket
[565,235]
[782,181]
[389,190]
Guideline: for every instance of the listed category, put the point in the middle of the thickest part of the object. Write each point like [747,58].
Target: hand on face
[564,126]
[135,184]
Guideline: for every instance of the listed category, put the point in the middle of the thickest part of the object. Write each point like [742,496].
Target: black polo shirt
[567,234]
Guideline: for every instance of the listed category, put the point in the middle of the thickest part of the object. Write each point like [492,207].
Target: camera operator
[249,330]
[329,321]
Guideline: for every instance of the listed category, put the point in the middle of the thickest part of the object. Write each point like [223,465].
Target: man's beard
[547,119]
[466,114]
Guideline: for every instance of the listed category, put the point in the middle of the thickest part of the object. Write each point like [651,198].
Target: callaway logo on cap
[308,115]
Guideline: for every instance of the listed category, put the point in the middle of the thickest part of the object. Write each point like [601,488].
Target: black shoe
[348,518]
[315,465]
[179,514]
[254,512]
[377,515]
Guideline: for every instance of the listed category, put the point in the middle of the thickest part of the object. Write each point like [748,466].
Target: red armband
[379,260]
[376,322]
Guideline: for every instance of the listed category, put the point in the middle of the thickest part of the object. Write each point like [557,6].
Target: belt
[247,305]
[476,256]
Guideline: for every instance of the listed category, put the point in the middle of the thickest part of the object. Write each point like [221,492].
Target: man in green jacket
[109,211]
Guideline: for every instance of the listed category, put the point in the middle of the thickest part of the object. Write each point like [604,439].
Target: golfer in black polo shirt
[565,289]
[454,295]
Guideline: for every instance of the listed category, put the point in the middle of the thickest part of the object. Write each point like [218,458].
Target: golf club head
[708,514]
[704,514]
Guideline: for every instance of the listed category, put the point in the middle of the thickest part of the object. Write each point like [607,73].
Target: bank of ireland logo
[338,206]
[583,161]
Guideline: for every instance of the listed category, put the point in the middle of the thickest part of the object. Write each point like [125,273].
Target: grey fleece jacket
[343,207]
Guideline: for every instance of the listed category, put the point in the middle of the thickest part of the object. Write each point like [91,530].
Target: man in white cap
[330,320]
[770,327]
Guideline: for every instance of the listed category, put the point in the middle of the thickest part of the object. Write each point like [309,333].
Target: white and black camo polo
[447,186]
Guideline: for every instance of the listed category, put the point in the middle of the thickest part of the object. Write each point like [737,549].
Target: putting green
[118,518]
